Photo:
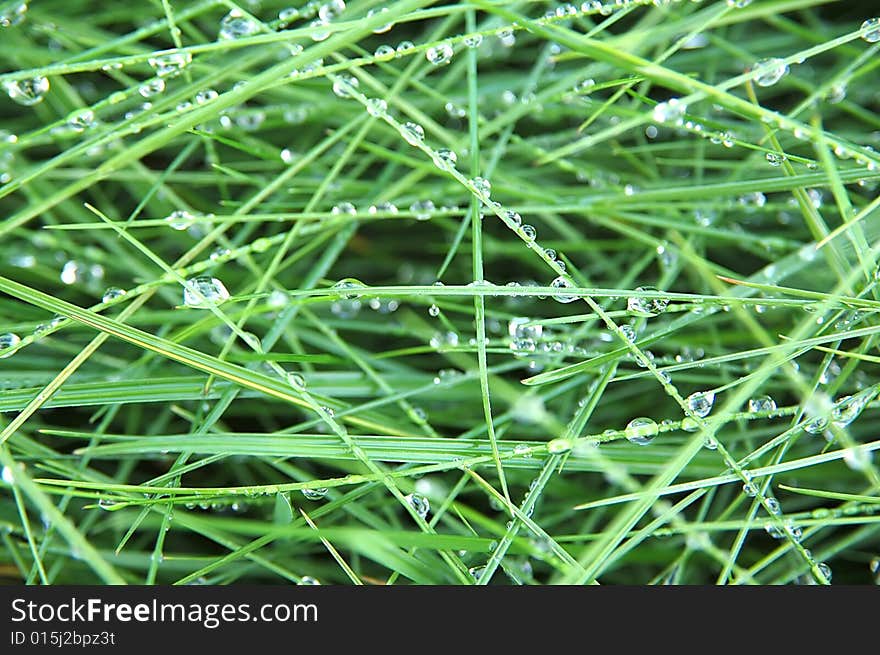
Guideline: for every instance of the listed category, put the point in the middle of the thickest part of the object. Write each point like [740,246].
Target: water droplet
[563,282]
[405,47]
[112,294]
[473,40]
[235,25]
[381,29]
[413,133]
[770,71]
[476,572]
[296,381]
[773,506]
[445,159]
[871,30]
[847,409]
[762,404]
[419,503]
[530,233]
[81,120]
[774,159]
[641,431]
[344,208]
[384,51]
[314,494]
[422,209]
[308,580]
[383,208]
[670,111]
[700,403]
[739,4]
[344,85]
[27,92]
[203,292]
[522,450]
[439,54]
[13,13]
[517,329]
[349,304]
[377,107]
[750,489]
[559,446]
[206,96]
[8,341]
[752,200]
[482,186]
[647,307]
[170,64]
[433,310]
[180,219]
[825,570]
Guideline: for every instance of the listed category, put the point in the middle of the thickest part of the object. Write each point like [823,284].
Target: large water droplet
[871,30]
[314,494]
[27,92]
[112,294]
[170,64]
[700,403]
[517,329]
[770,71]
[641,431]
[180,219]
[639,306]
[419,503]
[563,282]
[203,292]
[439,54]
[344,85]
[235,25]
[7,342]
[762,404]
[413,133]
[670,111]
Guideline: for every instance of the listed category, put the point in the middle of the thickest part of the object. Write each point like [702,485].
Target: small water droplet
[345,85]
[762,404]
[180,219]
[559,446]
[170,64]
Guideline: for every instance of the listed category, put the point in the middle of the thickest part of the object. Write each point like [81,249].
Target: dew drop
[439,54]
[563,282]
[344,85]
[419,503]
[27,92]
[770,71]
[314,494]
[413,133]
[641,431]
[762,404]
[559,446]
[8,341]
[203,292]
[170,64]
[670,111]
[112,294]
[384,51]
[646,307]
[700,403]
[377,107]
[422,209]
[235,25]
[180,219]
[473,40]
[871,30]
[13,13]
[445,159]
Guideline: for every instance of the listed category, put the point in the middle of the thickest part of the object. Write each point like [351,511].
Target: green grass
[452,286]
